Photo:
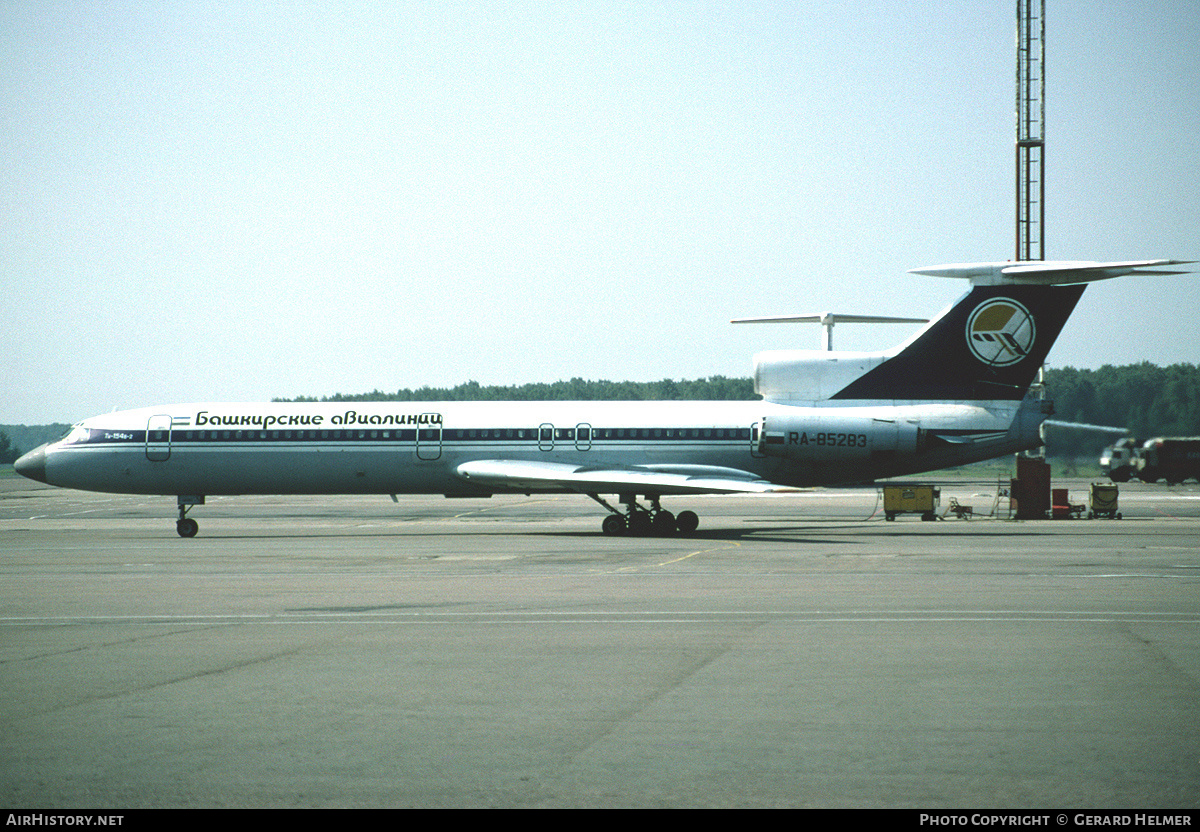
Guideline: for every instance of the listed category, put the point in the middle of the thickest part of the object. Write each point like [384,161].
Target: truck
[1170,458]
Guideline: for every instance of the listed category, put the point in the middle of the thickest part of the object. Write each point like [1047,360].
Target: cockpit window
[76,434]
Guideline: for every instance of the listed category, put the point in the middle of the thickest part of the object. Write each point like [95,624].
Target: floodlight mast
[1031,123]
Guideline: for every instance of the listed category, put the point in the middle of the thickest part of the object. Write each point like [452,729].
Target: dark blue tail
[987,347]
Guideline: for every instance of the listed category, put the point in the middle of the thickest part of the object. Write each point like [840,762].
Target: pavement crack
[227,667]
[623,715]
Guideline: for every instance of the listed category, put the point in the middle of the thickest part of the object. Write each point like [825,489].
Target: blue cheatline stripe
[447,435]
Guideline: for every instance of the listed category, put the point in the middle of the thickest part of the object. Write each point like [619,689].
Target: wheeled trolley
[1102,501]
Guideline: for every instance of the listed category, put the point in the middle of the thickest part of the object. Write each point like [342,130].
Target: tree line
[577,389]
[16,439]
[1144,399]
[8,451]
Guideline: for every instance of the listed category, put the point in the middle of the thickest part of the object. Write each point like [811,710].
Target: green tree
[8,452]
[1144,399]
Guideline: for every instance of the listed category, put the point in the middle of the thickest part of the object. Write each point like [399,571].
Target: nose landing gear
[186,526]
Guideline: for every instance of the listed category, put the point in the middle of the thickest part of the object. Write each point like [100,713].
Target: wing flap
[520,475]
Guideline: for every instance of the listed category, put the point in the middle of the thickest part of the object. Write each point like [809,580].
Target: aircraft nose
[33,464]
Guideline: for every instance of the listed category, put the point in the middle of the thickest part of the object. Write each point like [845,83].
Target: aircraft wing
[518,475]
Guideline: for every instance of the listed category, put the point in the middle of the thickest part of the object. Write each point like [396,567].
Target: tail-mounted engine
[833,437]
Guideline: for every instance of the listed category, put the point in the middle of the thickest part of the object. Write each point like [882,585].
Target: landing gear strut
[642,521]
[186,526]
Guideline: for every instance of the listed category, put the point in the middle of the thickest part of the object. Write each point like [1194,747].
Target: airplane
[956,392]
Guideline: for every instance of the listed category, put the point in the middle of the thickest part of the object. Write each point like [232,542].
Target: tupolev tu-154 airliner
[955,392]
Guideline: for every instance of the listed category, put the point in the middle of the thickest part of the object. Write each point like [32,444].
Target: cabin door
[429,436]
[158,438]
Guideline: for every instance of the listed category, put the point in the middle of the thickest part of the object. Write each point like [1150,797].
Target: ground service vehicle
[1173,459]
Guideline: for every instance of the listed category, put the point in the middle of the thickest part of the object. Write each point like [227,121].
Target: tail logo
[1000,332]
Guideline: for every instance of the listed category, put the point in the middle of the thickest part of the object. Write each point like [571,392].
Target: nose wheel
[186,526]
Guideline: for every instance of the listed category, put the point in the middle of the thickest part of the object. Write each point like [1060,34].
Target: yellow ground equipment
[913,499]
[1102,501]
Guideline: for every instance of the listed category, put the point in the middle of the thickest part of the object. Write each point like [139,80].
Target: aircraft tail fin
[990,344]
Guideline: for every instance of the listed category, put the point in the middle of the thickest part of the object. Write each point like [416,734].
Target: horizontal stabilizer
[1058,423]
[827,320]
[1050,272]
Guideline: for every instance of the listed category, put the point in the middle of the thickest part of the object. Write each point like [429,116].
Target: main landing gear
[644,522]
[186,526]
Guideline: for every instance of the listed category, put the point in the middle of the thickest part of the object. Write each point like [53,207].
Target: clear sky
[242,200]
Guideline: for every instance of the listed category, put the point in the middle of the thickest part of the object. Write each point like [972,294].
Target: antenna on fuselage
[827,320]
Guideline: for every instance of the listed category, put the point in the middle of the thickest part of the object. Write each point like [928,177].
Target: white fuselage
[418,447]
